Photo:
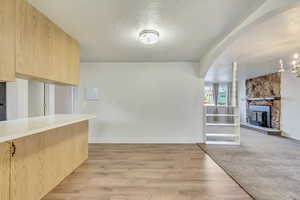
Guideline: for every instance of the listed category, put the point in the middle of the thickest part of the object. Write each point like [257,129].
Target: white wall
[63,99]
[50,99]
[290,105]
[17,99]
[143,102]
[36,99]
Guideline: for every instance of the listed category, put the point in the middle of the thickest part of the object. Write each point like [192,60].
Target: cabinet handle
[13,153]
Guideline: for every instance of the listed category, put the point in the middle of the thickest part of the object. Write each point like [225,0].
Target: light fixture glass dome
[149,36]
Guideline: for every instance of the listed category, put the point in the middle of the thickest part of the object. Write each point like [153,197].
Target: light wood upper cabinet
[7,39]
[43,50]
[4,170]
[33,42]
[73,61]
[65,56]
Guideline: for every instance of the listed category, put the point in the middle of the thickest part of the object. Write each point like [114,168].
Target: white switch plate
[91,94]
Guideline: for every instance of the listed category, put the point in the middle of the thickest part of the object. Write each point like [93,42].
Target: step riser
[221,120]
[220,110]
[223,143]
[221,139]
[220,129]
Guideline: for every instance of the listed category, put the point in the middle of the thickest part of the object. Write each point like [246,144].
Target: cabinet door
[26,169]
[33,42]
[43,160]
[7,39]
[66,56]
[59,45]
[4,170]
[75,62]
[44,51]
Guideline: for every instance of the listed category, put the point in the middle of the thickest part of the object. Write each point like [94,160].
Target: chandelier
[295,65]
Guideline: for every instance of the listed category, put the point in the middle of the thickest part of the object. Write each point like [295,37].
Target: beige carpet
[267,167]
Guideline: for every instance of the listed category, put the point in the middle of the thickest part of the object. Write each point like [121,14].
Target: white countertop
[14,129]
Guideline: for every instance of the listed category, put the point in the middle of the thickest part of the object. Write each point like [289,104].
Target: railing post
[234,84]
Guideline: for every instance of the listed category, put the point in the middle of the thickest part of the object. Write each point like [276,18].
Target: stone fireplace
[264,101]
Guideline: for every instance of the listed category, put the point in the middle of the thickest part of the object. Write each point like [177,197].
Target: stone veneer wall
[266,86]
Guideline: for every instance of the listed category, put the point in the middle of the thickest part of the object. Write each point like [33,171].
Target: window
[208,95]
[222,96]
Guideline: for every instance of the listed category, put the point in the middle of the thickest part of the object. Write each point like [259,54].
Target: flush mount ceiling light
[149,36]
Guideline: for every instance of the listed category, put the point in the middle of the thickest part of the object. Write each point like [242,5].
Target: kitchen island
[36,154]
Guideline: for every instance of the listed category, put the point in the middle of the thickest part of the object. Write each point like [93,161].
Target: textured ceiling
[259,50]
[108,29]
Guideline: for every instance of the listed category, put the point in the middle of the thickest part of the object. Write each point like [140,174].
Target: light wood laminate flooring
[148,172]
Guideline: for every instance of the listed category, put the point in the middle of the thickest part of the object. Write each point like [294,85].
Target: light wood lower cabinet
[4,170]
[43,160]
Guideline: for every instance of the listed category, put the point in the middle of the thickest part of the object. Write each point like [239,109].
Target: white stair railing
[223,127]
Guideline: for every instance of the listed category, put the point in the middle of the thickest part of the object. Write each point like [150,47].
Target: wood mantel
[264,99]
